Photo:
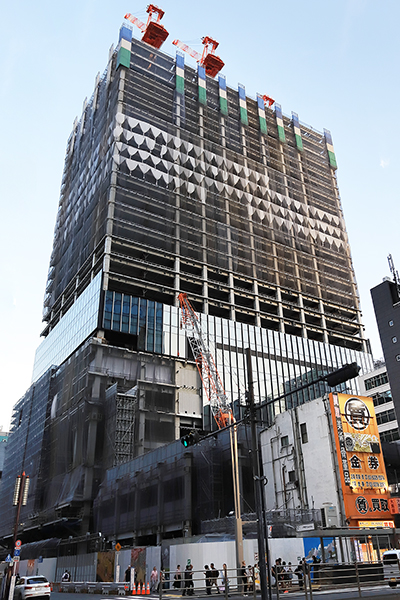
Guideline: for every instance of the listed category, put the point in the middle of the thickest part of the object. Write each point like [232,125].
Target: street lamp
[333,379]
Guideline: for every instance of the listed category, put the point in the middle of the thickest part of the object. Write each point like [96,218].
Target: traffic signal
[341,375]
[190,439]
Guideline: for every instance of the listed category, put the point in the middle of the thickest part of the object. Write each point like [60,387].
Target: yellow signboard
[361,466]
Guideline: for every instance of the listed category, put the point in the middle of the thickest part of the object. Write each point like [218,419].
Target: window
[303,433]
[391,323]
[382,398]
[292,476]
[284,441]
[394,339]
[398,357]
[376,381]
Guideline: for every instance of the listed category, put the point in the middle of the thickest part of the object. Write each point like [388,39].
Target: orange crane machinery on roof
[209,60]
[268,100]
[154,33]
[205,364]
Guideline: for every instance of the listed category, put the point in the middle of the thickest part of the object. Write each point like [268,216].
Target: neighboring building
[386,300]
[166,189]
[376,385]
[315,459]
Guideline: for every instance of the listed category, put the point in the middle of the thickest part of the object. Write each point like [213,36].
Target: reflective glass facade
[72,329]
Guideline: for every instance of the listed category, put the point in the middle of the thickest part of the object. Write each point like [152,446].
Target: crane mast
[206,365]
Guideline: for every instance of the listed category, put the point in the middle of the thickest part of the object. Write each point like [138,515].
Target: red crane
[154,33]
[268,100]
[205,363]
[209,60]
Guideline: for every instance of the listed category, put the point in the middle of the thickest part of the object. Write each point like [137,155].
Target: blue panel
[180,61]
[134,316]
[278,110]
[260,102]
[295,119]
[328,136]
[125,34]
[201,71]
[222,82]
[242,92]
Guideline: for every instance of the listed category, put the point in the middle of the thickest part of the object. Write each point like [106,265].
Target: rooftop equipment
[209,60]
[154,33]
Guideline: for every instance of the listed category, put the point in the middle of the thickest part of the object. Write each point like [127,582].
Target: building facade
[168,188]
[386,301]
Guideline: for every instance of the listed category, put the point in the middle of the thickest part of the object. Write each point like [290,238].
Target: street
[382,592]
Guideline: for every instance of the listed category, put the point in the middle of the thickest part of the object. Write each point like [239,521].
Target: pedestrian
[208,576]
[243,578]
[65,576]
[289,572]
[250,578]
[128,574]
[190,590]
[225,580]
[186,577]
[154,581]
[299,571]
[177,578]
[214,577]
[316,562]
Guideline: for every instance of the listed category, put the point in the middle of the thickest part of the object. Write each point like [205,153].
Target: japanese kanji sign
[362,470]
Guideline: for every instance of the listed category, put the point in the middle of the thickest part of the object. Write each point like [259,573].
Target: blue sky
[334,63]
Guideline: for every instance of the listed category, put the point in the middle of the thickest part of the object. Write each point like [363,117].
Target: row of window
[376,381]
[303,435]
[382,398]
[386,416]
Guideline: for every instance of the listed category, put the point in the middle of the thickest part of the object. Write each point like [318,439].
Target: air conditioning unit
[329,516]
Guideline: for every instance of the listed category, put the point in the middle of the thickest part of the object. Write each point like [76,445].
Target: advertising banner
[361,466]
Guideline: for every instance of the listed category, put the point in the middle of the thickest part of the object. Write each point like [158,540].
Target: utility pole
[265,582]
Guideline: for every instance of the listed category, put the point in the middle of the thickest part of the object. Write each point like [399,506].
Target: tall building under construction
[174,182]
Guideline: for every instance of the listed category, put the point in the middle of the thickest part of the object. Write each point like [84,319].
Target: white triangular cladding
[164,151]
[143,167]
[155,131]
[118,159]
[219,160]
[246,172]
[120,146]
[208,182]
[155,160]
[167,178]
[313,234]
[150,144]
[131,164]
[261,214]
[248,197]
[144,126]
[191,188]
[133,151]
[156,173]
[117,132]
[199,177]
[198,151]
[143,154]
[257,200]
[224,176]
[177,141]
[220,186]
[167,164]
[120,118]
[132,122]
[139,139]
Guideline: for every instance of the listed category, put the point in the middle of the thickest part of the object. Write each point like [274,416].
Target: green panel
[332,159]
[243,116]
[180,84]
[223,104]
[263,125]
[124,58]
[281,134]
[202,95]
[299,142]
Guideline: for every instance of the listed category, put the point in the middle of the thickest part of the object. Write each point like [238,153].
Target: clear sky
[334,63]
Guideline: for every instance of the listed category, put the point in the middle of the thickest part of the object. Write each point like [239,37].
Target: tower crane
[219,404]
[212,383]
[268,100]
[209,60]
[154,33]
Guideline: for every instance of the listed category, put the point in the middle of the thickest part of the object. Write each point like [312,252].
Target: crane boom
[187,49]
[136,22]
[205,364]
